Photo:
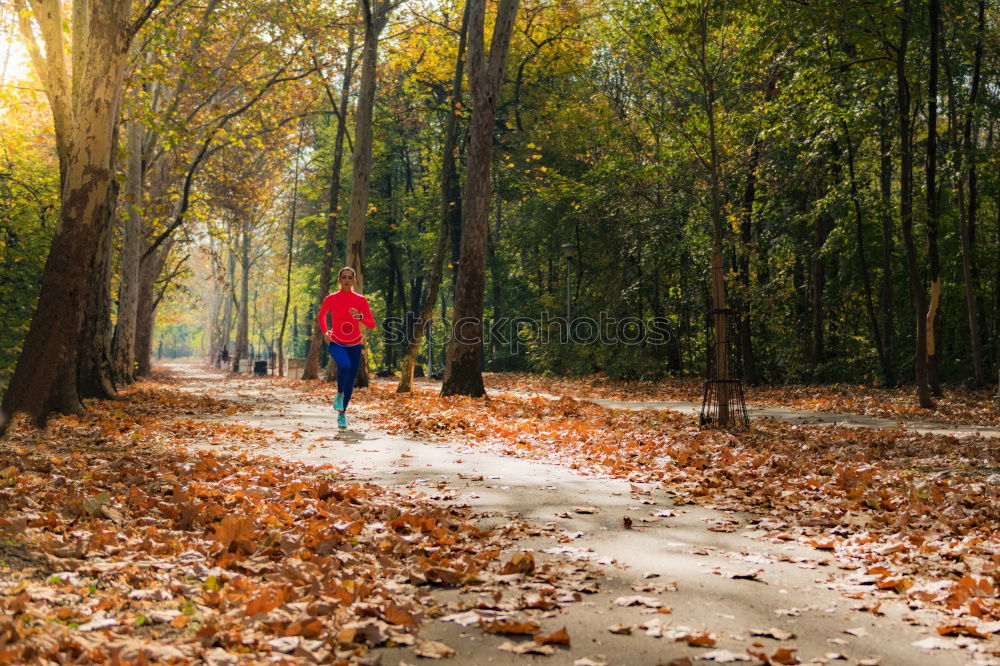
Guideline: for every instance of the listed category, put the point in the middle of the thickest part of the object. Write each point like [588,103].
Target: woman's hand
[357,315]
[328,336]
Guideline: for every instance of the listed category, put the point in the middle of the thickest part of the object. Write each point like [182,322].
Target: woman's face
[346,279]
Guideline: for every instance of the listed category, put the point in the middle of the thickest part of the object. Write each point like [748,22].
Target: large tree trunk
[93,370]
[906,209]
[85,115]
[464,367]
[450,213]
[316,347]
[123,343]
[933,255]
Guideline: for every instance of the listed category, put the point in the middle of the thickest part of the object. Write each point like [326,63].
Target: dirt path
[779,585]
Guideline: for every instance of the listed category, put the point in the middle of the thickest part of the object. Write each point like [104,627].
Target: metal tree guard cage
[724,403]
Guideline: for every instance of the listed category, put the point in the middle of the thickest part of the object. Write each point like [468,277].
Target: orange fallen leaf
[522,563]
[397,615]
[560,637]
[699,640]
[509,627]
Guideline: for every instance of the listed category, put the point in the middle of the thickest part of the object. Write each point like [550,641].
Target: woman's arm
[366,316]
[321,318]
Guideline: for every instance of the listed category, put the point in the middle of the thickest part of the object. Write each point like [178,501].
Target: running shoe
[341,420]
[338,402]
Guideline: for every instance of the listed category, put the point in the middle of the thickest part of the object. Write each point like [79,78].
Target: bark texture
[450,210]
[463,369]
[123,342]
[85,112]
[917,292]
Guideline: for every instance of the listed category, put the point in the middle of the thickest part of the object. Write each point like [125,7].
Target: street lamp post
[569,251]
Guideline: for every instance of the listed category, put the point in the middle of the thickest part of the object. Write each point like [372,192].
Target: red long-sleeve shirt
[345,329]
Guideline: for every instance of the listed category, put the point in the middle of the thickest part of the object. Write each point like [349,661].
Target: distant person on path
[347,310]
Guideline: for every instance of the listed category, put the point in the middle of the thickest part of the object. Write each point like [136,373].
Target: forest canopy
[840,158]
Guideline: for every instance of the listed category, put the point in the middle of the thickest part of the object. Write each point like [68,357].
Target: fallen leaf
[699,640]
[648,602]
[934,643]
[398,615]
[432,649]
[520,563]
[560,637]
[782,656]
[97,624]
[773,632]
[509,627]
[528,647]
[961,630]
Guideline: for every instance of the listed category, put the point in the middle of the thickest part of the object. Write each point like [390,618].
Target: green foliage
[29,207]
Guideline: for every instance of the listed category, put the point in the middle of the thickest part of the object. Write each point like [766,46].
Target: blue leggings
[348,359]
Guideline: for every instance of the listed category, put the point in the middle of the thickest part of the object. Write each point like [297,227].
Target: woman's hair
[347,268]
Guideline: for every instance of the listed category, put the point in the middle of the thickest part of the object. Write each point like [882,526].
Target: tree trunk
[743,265]
[906,209]
[933,255]
[718,274]
[496,278]
[885,214]
[316,347]
[463,370]
[94,372]
[94,377]
[243,312]
[226,328]
[123,342]
[965,170]
[817,272]
[149,270]
[44,379]
[290,238]
[866,280]
[362,160]
[389,356]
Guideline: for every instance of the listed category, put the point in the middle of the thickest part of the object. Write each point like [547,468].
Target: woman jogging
[347,310]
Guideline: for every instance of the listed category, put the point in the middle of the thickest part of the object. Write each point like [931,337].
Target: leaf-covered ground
[119,546]
[915,516]
[956,406]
